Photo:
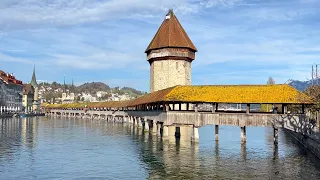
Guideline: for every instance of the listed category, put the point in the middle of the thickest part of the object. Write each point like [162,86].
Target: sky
[238,41]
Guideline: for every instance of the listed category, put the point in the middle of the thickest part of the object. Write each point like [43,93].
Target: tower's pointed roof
[170,34]
[34,80]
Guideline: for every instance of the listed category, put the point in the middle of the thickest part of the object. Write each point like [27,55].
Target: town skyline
[239,42]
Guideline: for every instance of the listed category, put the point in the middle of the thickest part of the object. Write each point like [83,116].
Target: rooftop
[247,94]
[9,78]
[170,34]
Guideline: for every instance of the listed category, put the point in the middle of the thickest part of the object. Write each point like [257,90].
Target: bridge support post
[284,109]
[146,125]
[216,132]
[131,120]
[154,127]
[139,122]
[158,125]
[243,134]
[275,135]
[195,134]
[248,108]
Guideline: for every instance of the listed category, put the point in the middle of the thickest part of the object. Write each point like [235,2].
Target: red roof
[170,34]
[9,79]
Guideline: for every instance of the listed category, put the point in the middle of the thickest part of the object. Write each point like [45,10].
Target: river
[47,148]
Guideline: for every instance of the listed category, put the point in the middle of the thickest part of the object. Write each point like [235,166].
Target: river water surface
[45,148]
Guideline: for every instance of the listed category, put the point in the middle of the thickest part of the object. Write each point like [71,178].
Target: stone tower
[34,84]
[170,54]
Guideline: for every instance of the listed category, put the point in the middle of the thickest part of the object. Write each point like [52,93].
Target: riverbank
[310,142]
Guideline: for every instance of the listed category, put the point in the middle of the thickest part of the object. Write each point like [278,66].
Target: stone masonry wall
[168,73]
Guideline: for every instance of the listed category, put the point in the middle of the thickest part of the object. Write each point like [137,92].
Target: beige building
[170,54]
[30,95]
[27,97]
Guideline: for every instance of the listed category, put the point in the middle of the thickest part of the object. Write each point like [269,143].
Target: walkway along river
[54,148]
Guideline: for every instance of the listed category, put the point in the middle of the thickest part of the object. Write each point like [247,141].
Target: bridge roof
[251,94]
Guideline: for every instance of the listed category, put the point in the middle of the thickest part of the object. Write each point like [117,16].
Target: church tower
[34,84]
[170,54]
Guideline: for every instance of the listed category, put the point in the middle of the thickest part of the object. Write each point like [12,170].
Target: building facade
[10,93]
[28,97]
[34,84]
[30,93]
[68,95]
[170,54]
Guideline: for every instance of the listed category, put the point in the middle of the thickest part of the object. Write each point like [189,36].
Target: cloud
[237,40]
[35,13]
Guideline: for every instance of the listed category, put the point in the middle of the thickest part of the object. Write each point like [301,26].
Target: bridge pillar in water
[158,126]
[243,134]
[146,125]
[139,120]
[134,120]
[154,127]
[131,120]
[275,135]
[195,134]
[216,132]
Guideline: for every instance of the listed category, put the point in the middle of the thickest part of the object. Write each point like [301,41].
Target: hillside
[54,90]
[92,87]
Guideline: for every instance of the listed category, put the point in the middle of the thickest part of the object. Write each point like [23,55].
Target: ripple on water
[41,148]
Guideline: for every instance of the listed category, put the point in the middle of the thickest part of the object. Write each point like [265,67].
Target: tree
[271,81]
[314,93]
[267,107]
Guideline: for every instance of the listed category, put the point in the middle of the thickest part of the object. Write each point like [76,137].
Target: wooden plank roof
[251,94]
[171,34]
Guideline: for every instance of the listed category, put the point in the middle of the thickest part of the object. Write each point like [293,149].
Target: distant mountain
[302,85]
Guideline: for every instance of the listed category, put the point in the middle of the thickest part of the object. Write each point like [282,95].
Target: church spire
[64,83]
[72,86]
[34,80]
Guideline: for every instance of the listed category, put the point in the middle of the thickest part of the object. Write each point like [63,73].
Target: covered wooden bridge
[175,110]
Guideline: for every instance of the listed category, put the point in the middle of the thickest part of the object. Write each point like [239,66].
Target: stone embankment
[305,132]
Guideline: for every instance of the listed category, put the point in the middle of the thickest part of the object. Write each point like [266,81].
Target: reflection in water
[42,148]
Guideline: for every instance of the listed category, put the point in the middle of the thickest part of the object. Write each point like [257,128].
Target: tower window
[177,65]
[161,65]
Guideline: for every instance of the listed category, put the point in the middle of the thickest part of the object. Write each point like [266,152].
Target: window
[177,65]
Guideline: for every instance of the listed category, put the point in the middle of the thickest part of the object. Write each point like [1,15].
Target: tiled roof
[9,79]
[27,89]
[170,34]
[251,94]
